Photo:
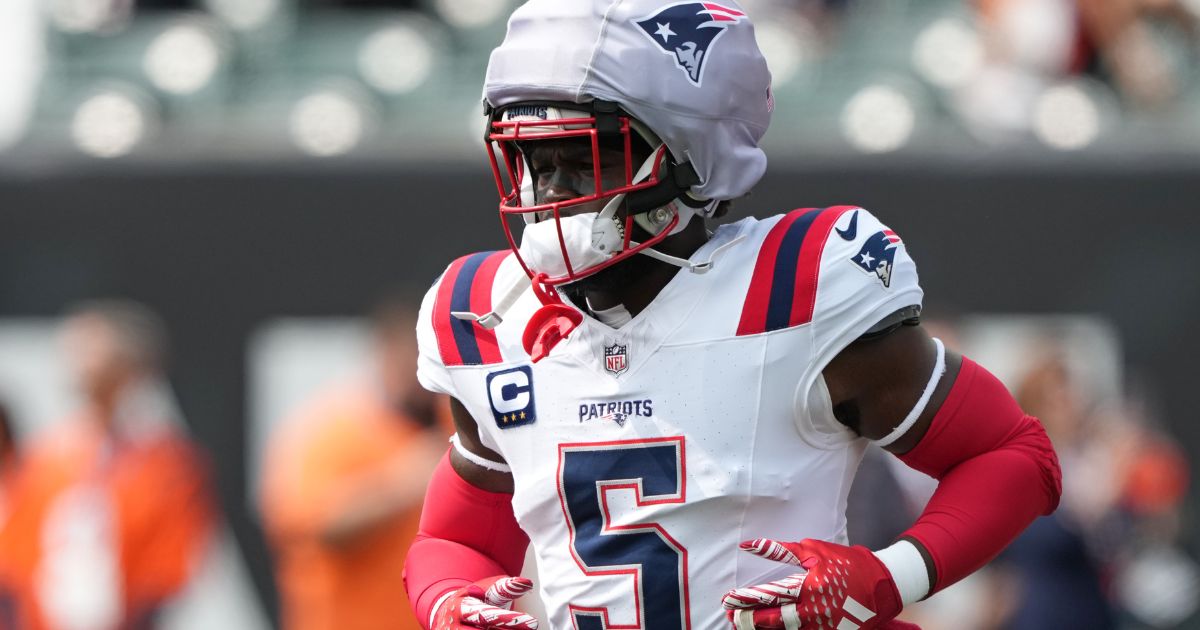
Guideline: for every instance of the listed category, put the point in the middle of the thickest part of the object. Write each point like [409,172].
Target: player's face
[564,169]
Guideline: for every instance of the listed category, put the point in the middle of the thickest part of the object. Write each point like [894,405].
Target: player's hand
[837,587]
[484,604]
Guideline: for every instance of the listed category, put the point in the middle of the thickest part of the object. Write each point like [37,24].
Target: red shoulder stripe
[481,302]
[783,288]
[442,319]
[758,297]
[467,286]
[808,269]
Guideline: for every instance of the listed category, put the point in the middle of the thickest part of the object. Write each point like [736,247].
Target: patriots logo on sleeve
[689,30]
[878,255]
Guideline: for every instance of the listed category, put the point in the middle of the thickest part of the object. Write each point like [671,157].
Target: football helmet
[679,89]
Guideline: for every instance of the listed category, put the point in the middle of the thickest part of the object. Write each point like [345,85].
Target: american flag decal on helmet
[688,31]
[722,14]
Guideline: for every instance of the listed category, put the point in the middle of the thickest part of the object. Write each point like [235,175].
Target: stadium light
[183,58]
[948,53]
[1065,117]
[110,123]
[244,15]
[328,122]
[471,13]
[878,119]
[397,58]
[1161,586]
[89,16]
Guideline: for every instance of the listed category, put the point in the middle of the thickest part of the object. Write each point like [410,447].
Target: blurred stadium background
[262,173]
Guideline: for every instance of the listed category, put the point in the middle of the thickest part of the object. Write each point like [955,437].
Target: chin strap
[608,232]
[694,267]
[550,324]
[493,318]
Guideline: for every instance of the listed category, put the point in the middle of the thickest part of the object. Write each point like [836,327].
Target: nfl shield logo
[615,359]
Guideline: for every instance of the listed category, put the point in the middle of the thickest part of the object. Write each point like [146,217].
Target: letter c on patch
[510,393]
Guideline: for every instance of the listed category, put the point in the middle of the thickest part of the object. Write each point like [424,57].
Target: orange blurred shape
[1157,479]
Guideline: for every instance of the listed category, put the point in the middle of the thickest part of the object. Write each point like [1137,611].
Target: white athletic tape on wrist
[477,460]
[908,570]
[791,617]
[939,368]
[743,619]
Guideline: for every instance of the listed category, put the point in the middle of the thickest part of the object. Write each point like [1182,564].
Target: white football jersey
[644,455]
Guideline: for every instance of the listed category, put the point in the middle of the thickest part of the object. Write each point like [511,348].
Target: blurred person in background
[1121,46]
[343,485]
[1153,581]
[111,509]
[8,452]
[1051,577]
[1111,555]
[8,460]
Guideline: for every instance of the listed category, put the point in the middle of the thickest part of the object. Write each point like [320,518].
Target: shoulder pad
[783,288]
[467,286]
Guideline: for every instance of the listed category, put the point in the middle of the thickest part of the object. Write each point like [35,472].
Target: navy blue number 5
[654,470]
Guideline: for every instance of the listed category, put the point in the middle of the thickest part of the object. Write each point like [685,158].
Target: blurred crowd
[109,78]
[1139,51]
[343,485]
[106,513]
[107,516]
[1111,557]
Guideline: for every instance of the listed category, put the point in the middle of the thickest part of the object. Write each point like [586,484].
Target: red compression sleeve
[466,534]
[997,472]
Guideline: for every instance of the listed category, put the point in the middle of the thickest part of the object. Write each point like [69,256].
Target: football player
[671,415]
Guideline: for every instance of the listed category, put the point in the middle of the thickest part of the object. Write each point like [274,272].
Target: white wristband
[908,570]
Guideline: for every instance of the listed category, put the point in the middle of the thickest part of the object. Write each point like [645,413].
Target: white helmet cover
[690,71]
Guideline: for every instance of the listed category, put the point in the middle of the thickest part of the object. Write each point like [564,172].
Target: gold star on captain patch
[503,418]
[522,415]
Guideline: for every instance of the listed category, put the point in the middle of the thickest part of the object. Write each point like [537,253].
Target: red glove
[842,588]
[483,604]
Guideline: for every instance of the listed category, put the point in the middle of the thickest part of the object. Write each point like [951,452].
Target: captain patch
[510,393]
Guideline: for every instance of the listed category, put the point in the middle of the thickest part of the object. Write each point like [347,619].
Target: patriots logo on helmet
[878,255]
[688,30]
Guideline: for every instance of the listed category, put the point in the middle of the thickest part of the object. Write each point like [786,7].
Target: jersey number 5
[653,470]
